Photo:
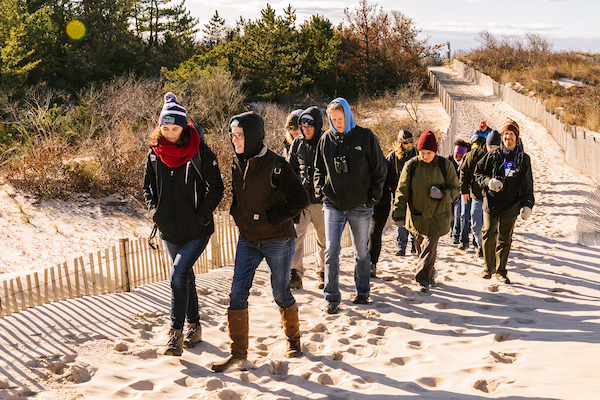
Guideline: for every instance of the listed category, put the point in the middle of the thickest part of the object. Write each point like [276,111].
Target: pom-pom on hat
[404,135]
[427,142]
[172,112]
[494,138]
[511,125]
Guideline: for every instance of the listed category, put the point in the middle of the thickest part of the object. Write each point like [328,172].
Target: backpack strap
[196,160]
[414,161]
[442,165]
[154,161]
[412,166]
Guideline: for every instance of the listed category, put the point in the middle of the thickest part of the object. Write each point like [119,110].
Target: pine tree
[214,31]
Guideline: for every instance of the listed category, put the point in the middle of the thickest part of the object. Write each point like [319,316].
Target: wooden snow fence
[581,151]
[122,268]
[446,144]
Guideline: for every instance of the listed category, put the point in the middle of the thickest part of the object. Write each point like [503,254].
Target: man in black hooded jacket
[267,194]
[302,159]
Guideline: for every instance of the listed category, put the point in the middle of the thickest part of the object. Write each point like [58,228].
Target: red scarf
[174,156]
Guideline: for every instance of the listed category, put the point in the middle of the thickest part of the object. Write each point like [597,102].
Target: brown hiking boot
[291,327]
[321,280]
[175,345]
[193,336]
[295,280]
[238,333]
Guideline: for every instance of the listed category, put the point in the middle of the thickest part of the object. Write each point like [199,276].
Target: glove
[435,193]
[495,185]
[400,223]
[465,198]
[525,212]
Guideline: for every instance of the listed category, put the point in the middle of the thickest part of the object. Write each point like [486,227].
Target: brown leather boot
[238,333]
[291,327]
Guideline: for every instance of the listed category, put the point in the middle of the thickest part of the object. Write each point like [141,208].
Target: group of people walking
[327,178]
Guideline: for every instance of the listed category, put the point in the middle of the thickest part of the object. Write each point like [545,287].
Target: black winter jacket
[264,201]
[362,184]
[394,169]
[517,189]
[264,205]
[468,184]
[181,202]
[302,155]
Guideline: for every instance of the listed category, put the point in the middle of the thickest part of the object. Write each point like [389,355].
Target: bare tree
[409,96]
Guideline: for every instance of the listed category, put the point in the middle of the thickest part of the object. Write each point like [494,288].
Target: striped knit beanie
[172,112]
[511,125]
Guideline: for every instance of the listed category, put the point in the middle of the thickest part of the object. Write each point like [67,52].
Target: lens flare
[76,30]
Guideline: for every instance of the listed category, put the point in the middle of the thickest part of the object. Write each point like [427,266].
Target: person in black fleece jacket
[505,176]
[267,195]
[181,197]
[302,159]
[350,171]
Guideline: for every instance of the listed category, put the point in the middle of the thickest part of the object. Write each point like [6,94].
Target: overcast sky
[567,24]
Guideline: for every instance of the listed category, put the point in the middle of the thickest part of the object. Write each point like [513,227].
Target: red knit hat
[482,124]
[427,142]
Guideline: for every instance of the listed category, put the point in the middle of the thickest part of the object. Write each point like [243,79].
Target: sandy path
[467,339]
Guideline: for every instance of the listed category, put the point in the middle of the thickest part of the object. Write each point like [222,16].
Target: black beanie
[404,135]
[493,138]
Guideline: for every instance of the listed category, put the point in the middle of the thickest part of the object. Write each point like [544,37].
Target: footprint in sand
[504,336]
[143,385]
[379,331]
[416,344]
[505,358]
[402,361]
[491,385]
[377,341]
[320,327]
[525,321]
[430,382]
[444,306]
[228,394]
[317,337]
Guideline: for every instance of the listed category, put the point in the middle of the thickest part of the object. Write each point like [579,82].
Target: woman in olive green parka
[427,185]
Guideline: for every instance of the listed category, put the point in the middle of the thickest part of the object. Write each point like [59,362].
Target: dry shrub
[40,170]
[212,96]
[530,62]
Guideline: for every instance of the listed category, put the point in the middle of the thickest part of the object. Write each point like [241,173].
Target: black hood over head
[318,117]
[254,133]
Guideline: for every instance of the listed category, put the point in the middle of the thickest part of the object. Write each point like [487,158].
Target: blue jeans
[248,256]
[465,221]
[402,236]
[477,222]
[456,218]
[184,298]
[359,219]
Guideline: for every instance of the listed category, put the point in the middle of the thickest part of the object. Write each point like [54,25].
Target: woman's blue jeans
[184,298]
[248,256]
[359,219]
